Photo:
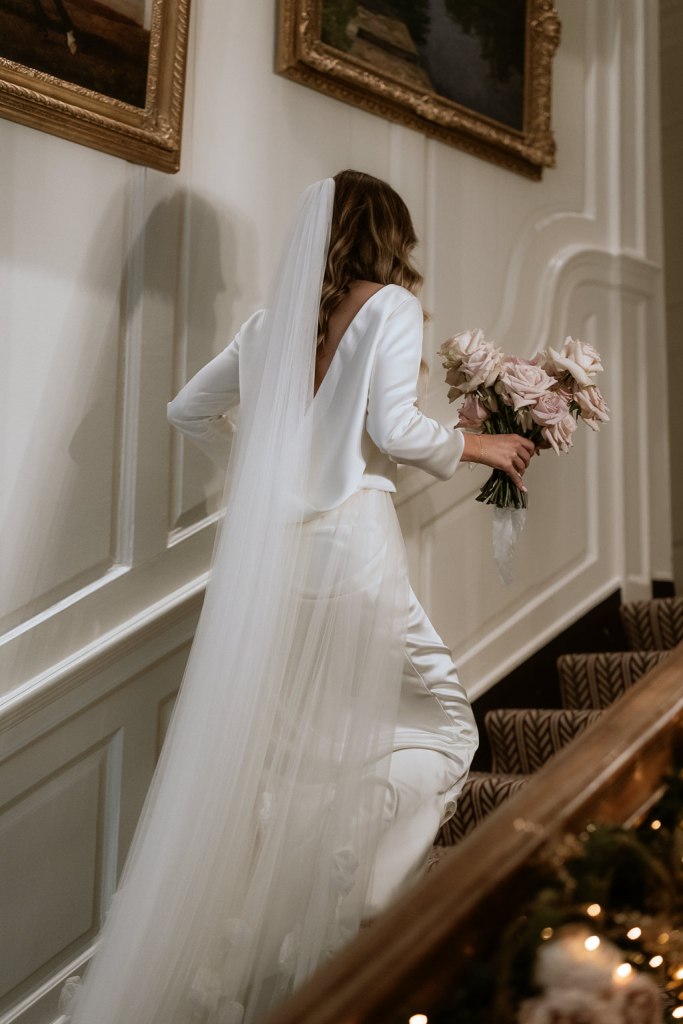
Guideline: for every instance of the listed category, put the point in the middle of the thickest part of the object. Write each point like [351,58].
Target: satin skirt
[427,754]
[435,740]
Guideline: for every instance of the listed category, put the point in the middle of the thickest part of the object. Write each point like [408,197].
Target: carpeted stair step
[653,625]
[480,795]
[523,739]
[597,680]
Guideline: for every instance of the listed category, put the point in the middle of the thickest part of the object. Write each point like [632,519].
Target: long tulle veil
[254,850]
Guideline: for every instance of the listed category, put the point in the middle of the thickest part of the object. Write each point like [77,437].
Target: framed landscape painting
[109,74]
[475,73]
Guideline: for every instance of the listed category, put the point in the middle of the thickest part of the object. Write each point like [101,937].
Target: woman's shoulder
[251,327]
[395,297]
[253,322]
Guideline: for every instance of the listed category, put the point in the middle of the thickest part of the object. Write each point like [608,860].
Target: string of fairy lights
[614,888]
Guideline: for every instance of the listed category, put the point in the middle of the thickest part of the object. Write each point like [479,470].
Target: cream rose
[522,383]
[577,358]
[483,366]
[459,346]
[471,361]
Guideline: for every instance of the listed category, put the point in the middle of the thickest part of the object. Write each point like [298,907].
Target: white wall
[118,283]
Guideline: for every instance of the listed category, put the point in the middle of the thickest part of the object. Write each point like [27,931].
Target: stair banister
[416,950]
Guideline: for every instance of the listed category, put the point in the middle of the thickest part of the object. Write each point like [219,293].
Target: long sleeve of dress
[198,408]
[394,423]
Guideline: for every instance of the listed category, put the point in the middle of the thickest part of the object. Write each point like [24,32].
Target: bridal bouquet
[541,398]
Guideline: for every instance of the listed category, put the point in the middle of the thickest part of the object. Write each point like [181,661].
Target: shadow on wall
[180,276]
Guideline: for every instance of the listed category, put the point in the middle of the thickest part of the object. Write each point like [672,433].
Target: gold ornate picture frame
[109,74]
[390,58]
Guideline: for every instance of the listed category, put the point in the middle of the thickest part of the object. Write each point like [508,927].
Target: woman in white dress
[321,734]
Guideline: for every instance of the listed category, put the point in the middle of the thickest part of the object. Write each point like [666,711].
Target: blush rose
[592,405]
[473,412]
[577,358]
[521,383]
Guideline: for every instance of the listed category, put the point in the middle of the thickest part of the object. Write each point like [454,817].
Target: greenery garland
[626,884]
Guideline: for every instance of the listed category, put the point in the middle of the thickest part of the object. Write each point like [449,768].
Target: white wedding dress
[320,734]
[365,422]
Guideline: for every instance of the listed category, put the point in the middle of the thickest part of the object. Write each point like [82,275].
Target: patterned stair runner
[522,740]
[481,794]
[597,680]
[653,625]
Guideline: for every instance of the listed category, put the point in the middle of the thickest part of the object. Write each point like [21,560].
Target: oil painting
[105,73]
[475,73]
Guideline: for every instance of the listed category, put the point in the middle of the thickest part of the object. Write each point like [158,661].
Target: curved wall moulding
[477,82]
[109,74]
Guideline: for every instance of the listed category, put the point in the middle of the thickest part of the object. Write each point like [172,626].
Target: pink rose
[550,407]
[593,408]
[522,383]
[559,435]
[577,358]
[473,412]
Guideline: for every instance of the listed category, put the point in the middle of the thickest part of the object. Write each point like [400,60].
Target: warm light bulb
[418,1018]
[593,910]
[677,1013]
[633,933]
[679,973]
[547,933]
[592,942]
[655,824]
[663,938]
[656,961]
[623,970]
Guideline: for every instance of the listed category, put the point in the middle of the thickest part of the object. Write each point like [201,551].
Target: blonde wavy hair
[371,239]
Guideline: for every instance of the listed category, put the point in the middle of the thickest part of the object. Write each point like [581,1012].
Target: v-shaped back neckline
[343,337]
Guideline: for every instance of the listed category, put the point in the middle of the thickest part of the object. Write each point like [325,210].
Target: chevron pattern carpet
[482,793]
[524,739]
[596,680]
[653,625]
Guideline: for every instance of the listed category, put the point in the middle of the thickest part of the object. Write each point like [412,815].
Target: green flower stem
[499,490]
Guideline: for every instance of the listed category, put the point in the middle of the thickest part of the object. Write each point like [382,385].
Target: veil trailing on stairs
[254,850]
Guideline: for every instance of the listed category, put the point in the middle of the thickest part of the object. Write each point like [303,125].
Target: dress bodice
[365,417]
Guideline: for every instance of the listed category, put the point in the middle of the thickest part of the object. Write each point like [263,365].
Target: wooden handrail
[429,938]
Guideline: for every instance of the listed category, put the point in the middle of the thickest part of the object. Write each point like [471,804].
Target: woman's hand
[511,453]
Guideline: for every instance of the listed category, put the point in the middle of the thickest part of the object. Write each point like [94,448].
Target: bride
[321,734]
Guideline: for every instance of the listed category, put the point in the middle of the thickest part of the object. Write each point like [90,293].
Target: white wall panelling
[70,797]
[118,283]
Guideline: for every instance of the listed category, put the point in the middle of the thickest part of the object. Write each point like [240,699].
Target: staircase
[606,767]
[524,739]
